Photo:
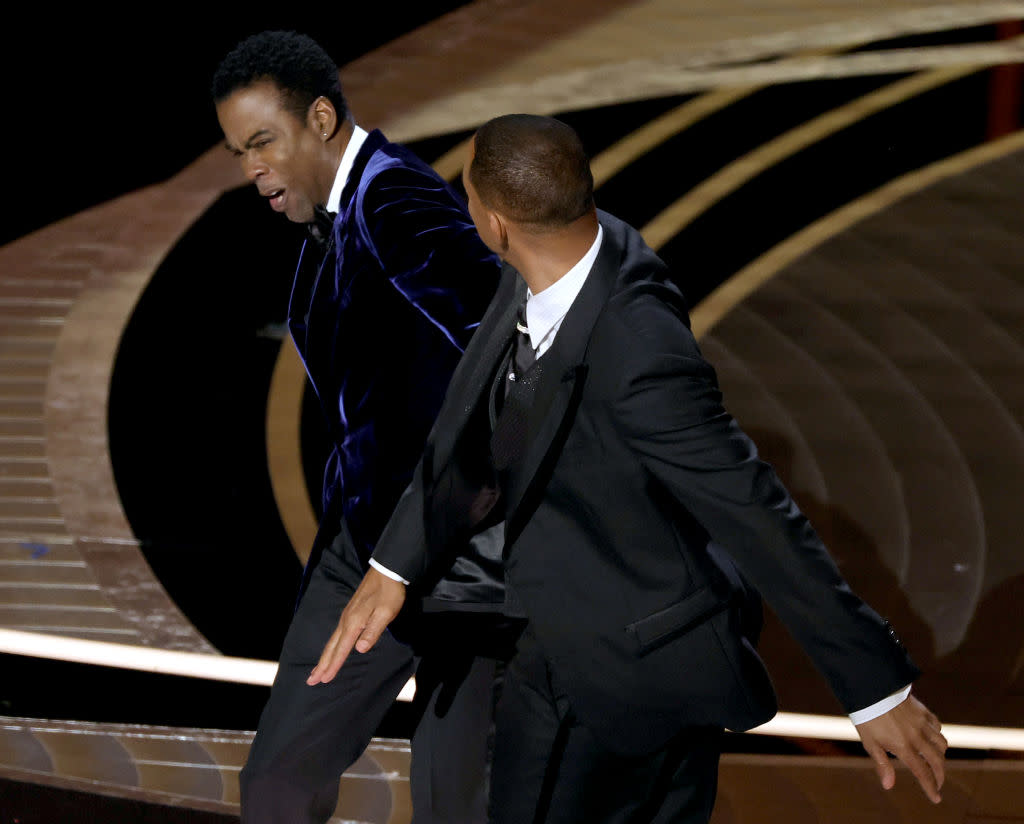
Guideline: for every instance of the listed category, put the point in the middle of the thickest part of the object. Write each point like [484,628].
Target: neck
[543,258]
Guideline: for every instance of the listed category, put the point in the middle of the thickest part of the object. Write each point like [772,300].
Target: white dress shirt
[544,314]
[348,159]
[546,310]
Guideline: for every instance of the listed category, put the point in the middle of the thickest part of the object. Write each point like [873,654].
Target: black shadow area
[131,93]
[187,415]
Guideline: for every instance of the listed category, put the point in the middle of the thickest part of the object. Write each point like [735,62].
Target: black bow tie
[321,225]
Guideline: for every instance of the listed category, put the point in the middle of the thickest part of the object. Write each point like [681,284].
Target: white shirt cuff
[383,570]
[879,708]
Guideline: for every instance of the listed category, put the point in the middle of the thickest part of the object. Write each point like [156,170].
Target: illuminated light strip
[146,659]
[837,728]
[60,607]
[149,659]
[261,673]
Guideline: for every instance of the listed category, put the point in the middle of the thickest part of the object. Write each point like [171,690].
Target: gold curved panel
[698,200]
[718,304]
[284,450]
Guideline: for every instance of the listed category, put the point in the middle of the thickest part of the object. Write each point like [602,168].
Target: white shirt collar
[355,143]
[545,310]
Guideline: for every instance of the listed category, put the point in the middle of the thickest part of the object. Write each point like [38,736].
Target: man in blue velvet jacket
[389,288]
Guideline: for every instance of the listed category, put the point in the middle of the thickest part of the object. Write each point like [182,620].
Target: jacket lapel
[474,374]
[561,385]
[316,261]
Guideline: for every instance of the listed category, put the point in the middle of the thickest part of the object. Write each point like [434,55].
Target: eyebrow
[253,137]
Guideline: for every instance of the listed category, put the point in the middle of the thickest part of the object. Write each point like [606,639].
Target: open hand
[911,732]
[374,605]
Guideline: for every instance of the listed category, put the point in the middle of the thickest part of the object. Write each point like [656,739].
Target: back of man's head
[532,169]
[294,62]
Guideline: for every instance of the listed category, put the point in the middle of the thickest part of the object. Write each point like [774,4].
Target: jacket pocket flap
[675,619]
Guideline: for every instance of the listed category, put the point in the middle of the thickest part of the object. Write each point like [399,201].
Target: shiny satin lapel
[476,367]
[561,386]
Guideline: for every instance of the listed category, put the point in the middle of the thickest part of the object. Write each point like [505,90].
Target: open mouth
[276,199]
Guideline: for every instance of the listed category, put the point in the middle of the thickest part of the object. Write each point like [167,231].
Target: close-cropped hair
[533,170]
[294,62]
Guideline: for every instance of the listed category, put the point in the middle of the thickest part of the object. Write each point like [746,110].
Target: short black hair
[533,169]
[295,63]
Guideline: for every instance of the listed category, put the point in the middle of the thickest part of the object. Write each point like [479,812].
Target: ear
[499,229]
[323,118]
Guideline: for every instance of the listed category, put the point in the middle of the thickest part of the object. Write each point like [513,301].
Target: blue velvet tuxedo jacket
[637,519]
[380,320]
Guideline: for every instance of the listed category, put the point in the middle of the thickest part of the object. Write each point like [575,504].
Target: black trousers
[549,769]
[308,736]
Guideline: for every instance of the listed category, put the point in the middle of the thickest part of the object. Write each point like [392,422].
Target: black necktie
[511,403]
[321,226]
[524,355]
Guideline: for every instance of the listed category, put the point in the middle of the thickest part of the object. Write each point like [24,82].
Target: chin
[301,212]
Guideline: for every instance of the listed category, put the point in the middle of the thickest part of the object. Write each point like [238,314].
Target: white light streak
[261,673]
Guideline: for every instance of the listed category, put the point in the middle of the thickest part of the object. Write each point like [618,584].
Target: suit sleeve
[402,548]
[405,547]
[426,243]
[669,410]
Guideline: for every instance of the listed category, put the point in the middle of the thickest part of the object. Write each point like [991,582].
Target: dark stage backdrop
[100,103]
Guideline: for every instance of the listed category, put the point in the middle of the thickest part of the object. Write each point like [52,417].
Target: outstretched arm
[379,597]
[670,412]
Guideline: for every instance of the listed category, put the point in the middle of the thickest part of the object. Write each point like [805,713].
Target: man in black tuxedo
[389,288]
[636,514]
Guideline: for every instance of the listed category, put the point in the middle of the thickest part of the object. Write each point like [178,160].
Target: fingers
[924,751]
[337,649]
[372,631]
[374,604]
[929,775]
[932,753]
[926,767]
[912,734]
[883,766]
[352,633]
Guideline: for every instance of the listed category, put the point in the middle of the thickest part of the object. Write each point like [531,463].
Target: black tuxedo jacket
[635,519]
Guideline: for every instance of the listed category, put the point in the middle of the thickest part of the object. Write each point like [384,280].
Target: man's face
[283,155]
[477,211]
